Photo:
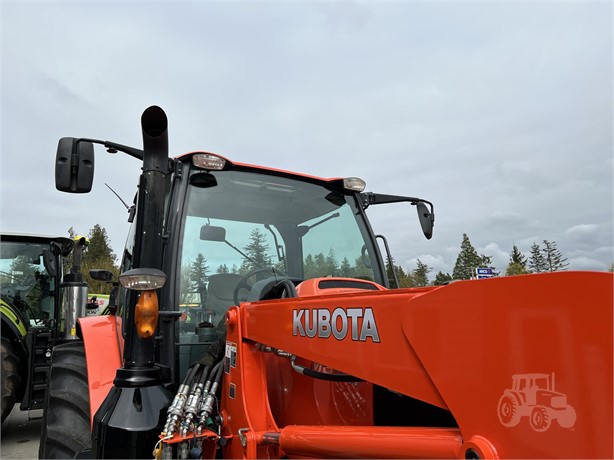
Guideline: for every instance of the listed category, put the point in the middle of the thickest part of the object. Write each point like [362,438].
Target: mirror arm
[113,147]
[369,198]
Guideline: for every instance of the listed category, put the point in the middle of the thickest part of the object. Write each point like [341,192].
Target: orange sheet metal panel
[524,361]
[357,333]
[104,346]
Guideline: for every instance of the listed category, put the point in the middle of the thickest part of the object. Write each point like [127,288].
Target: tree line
[543,257]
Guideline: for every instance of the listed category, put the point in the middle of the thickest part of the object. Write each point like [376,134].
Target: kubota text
[320,322]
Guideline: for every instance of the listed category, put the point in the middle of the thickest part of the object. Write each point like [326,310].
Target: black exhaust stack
[133,414]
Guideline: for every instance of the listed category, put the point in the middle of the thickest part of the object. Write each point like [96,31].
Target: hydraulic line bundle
[190,417]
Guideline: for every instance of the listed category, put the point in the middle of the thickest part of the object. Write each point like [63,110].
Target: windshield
[24,282]
[241,223]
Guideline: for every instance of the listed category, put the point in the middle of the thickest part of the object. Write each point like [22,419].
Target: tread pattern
[66,427]
[11,377]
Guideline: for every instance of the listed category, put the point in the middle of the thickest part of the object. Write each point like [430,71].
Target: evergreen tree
[198,273]
[222,269]
[611,267]
[96,255]
[553,258]
[517,264]
[547,258]
[442,278]
[332,266]
[360,270]
[536,262]
[467,261]
[185,281]
[420,274]
[345,268]
[390,267]
[258,252]
[99,247]
[310,267]
[405,279]
[320,264]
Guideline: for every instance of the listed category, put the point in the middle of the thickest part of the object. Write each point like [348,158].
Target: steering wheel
[288,289]
[243,283]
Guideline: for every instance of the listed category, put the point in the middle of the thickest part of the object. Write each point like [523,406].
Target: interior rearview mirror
[427,219]
[212,233]
[74,165]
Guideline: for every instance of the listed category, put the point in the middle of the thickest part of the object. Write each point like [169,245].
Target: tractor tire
[11,377]
[65,429]
[508,410]
[540,419]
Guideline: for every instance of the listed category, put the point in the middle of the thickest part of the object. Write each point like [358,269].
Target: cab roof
[239,165]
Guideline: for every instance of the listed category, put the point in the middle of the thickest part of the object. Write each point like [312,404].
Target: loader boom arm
[456,347]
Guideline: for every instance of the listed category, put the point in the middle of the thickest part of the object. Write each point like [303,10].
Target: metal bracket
[242,436]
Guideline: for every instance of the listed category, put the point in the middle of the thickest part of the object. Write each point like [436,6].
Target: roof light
[142,279]
[355,184]
[208,161]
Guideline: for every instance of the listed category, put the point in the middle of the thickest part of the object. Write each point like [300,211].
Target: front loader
[256,319]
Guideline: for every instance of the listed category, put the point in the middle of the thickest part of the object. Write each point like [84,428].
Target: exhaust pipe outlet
[154,125]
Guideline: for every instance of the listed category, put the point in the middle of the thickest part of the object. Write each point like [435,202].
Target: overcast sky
[500,113]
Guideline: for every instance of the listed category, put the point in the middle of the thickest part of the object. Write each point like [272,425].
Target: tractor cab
[30,275]
[247,233]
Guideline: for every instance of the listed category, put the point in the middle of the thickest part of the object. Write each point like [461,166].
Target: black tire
[65,429]
[11,377]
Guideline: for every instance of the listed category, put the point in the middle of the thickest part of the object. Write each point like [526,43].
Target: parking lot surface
[20,434]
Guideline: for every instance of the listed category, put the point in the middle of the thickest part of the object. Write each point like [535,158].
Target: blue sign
[484,271]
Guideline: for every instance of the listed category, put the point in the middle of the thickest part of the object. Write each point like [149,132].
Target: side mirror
[74,165]
[427,219]
[212,233]
[49,263]
[101,275]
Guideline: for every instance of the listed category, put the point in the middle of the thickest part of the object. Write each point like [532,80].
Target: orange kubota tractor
[317,356]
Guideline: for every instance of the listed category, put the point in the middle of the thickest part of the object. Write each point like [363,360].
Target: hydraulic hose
[176,409]
[337,377]
[209,400]
[193,402]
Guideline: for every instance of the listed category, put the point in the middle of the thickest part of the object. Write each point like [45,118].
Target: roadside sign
[484,273]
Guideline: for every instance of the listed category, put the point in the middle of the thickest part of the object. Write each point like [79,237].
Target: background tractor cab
[33,317]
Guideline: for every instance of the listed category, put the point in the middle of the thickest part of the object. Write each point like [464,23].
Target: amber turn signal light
[146,314]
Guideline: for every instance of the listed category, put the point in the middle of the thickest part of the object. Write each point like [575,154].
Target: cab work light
[208,161]
[142,279]
[355,184]
[146,309]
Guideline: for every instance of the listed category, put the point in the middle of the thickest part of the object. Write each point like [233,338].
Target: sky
[500,113]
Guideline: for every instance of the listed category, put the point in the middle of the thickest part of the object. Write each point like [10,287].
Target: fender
[14,328]
[104,347]
[13,319]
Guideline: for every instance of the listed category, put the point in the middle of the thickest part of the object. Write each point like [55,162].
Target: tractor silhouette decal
[533,395]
